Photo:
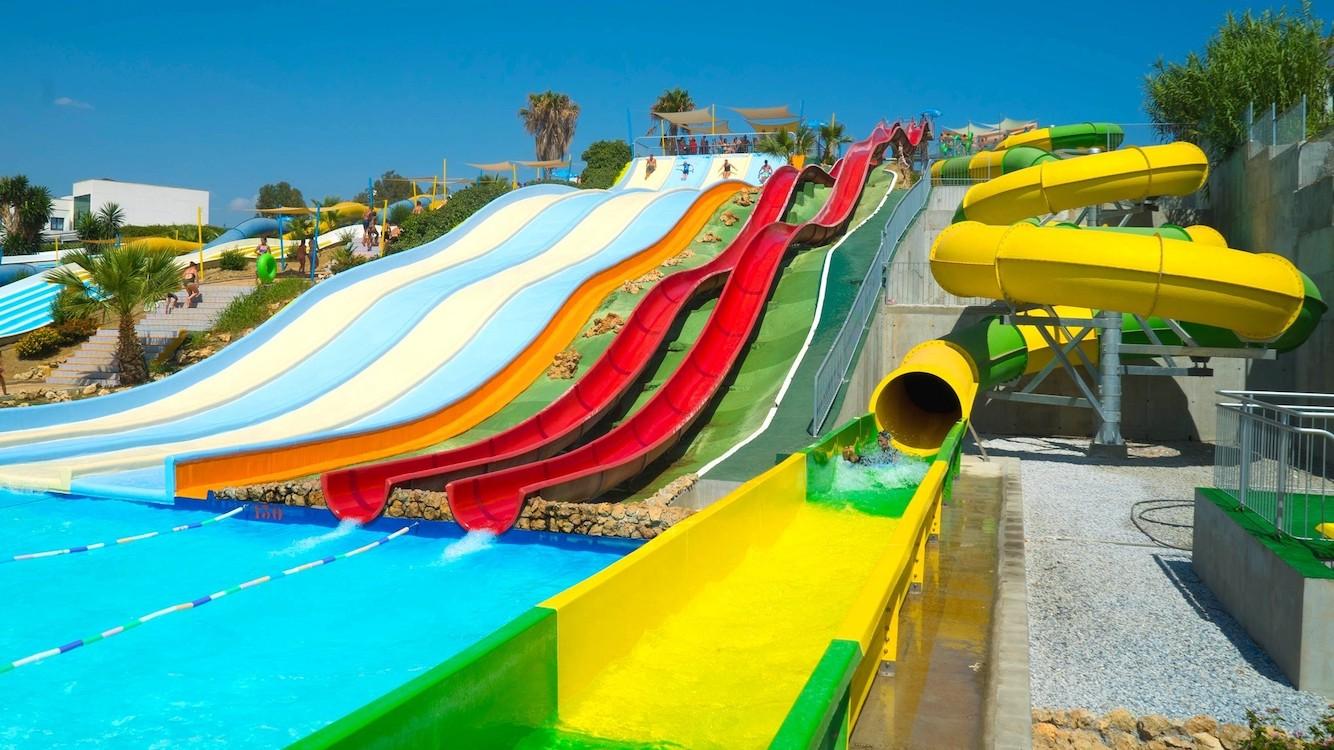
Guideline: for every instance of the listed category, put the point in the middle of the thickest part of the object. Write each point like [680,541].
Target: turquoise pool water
[260,668]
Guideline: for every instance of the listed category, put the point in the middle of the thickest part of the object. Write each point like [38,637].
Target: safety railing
[1269,127]
[704,144]
[1272,454]
[833,370]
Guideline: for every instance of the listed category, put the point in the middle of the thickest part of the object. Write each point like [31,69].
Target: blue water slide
[234,355]
[249,229]
[496,342]
[370,335]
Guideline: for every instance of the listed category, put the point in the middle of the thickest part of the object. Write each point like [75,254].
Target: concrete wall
[146,204]
[1290,616]
[1280,199]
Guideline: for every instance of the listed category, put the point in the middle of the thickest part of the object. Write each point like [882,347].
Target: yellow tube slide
[1131,174]
[1257,295]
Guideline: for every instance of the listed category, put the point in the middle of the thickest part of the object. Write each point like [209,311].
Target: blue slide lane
[504,336]
[370,335]
[66,413]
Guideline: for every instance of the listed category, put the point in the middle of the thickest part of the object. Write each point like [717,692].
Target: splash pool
[260,668]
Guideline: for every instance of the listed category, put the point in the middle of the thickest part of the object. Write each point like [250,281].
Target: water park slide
[1232,297]
[740,627]
[310,323]
[493,501]
[514,290]
[359,493]
[455,398]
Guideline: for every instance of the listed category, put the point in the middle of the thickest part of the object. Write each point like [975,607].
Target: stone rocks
[710,237]
[1120,730]
[635,286]
[743,197]
[679,258]
[607,323]
[728,218]
[564,365]
[89,390]
[643,520]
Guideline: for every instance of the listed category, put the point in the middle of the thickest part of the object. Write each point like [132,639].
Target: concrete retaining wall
[1290,616]
[1280,199]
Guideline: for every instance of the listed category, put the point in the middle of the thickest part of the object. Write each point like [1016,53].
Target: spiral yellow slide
[1260,297]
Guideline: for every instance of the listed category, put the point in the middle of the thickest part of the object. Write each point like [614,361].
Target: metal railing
[833,370]
[714,145]
[1273,455]
[1271,128]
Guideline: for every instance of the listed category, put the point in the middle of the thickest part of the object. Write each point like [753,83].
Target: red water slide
[493,500]
[360,493]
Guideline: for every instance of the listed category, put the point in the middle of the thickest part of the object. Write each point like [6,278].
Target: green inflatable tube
[266,268]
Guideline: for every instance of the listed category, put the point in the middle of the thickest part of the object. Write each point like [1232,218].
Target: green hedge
[428,225]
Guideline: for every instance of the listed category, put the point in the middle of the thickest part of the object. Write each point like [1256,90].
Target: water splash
[472,542]
[311,542]
[877,471]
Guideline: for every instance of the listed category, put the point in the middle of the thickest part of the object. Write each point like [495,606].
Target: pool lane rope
[122,540]
[195,604]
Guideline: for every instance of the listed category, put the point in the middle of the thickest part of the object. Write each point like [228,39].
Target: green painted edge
[1298,556]
[491,694]
[814,716]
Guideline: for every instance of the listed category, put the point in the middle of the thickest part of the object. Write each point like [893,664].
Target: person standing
[299,255]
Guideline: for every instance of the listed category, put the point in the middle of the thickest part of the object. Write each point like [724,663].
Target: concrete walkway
[94,363]
[961,680]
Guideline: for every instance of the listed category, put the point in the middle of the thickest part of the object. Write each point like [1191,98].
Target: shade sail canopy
[286,211]
[973,129]
[495,166]
[549,163]
[765,113]
[773,127]
[693,117]
[716,128]
[1011,125]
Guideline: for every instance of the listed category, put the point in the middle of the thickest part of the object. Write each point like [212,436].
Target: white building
[141,203]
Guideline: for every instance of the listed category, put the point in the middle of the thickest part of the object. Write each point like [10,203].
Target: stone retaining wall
[1078,729]
[642,520]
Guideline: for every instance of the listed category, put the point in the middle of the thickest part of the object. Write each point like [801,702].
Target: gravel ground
[1116,619]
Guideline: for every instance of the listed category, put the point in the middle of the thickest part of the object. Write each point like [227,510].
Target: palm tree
[24,210]
[550,118]
[112,218]
[831,138]
[673,100]
[125,279]
[787,144]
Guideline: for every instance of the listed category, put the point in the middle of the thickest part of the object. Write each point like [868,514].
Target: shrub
[63,308]
[428,225]
[605,160]
[344,258]
[75,330]
[400,214]
[232,260]
[249,310]
[38,344]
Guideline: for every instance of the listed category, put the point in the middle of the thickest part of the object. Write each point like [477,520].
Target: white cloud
[65,101]
[242,204]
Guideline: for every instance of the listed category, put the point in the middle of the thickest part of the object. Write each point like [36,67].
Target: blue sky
[225,99]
